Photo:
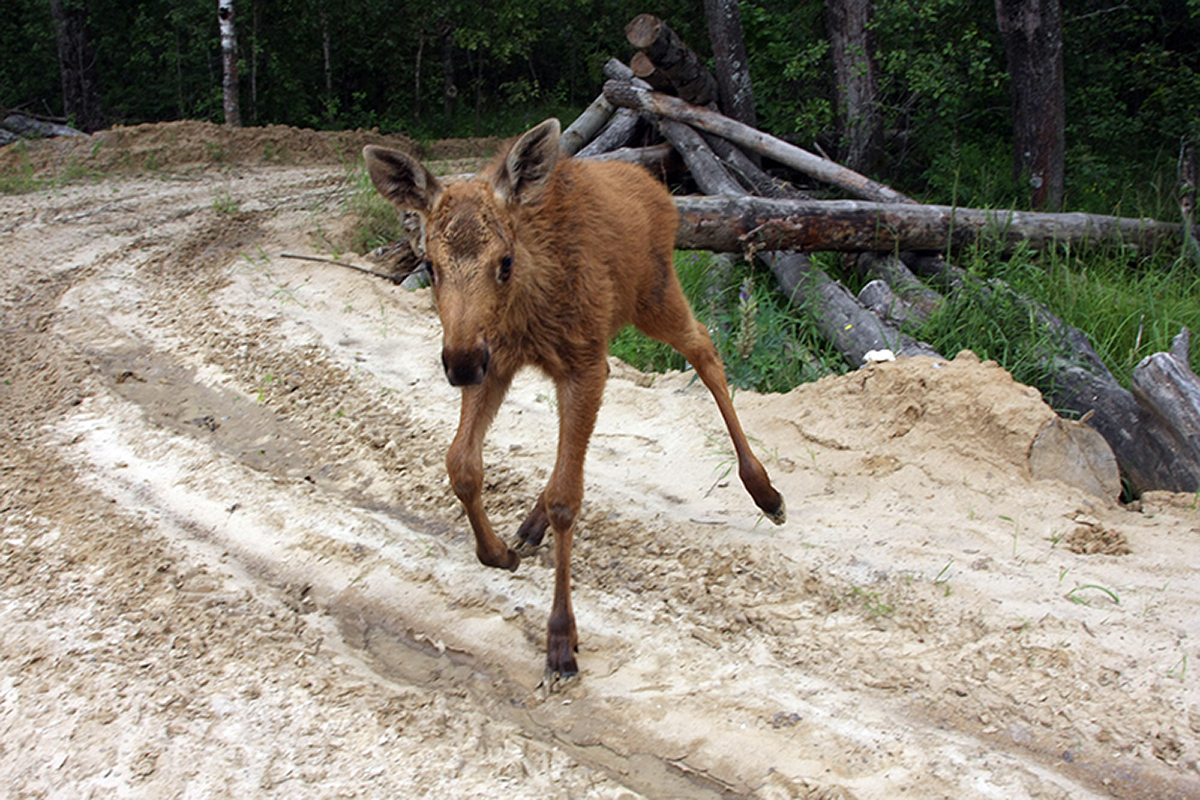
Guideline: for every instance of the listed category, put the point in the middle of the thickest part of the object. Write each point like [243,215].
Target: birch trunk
[225,13]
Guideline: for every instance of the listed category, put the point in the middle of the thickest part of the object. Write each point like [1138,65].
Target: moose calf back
[604,234]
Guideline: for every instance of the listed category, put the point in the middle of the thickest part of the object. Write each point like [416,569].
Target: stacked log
[1154,431]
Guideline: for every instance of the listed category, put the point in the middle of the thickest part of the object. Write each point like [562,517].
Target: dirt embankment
[230,562]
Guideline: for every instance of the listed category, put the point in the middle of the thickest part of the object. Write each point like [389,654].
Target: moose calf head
[479,266]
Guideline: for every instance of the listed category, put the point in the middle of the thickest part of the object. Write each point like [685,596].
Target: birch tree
[225,14]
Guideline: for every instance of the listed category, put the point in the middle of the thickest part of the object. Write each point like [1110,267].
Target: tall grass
[1129,306]
[378,222]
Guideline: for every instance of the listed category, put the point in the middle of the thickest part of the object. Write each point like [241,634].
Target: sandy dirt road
[231,564]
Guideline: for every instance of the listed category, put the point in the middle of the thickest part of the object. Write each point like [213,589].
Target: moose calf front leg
[579,399]
[464,463]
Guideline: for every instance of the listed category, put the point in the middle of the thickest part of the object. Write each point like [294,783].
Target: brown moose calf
[539,260]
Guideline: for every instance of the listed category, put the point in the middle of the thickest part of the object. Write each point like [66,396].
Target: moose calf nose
[465,367]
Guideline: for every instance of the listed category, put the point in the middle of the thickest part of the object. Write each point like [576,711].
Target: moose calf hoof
[509,561]
[525,548]
[560,668]
[779,515]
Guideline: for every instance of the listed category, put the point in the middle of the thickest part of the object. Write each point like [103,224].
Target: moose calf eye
[505,268]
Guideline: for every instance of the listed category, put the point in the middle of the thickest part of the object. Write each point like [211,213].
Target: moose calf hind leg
[678,328]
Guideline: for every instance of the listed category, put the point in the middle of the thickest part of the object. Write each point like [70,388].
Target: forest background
[451,69]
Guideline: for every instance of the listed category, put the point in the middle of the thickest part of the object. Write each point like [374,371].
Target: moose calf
[541,259]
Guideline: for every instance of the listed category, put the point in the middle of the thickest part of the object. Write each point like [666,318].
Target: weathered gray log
[28,126]
[684,68]
[736,223]
[1165,383]
[624,125]
[621,130]
[853,329]
[586,126]
[910,300]
[626,95]
[706,169]
[657,157]
[1149,453]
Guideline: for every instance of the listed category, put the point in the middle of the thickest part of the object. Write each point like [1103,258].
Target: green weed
[226,205]
[1079,600]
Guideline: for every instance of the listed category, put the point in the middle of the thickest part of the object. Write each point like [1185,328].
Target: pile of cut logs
[661,111]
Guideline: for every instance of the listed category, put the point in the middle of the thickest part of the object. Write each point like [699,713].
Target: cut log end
[643,30]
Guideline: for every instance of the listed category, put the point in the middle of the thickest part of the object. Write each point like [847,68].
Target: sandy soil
[231,564]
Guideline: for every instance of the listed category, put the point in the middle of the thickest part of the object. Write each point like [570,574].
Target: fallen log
[627,95]
[658,158]
[1165,384]
[738,163]
[895,293]
[738,223]
[620,130]
[644,69]
[853,329]
[706,169]
[23,125]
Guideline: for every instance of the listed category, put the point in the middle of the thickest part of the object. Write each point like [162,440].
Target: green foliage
[1132,75]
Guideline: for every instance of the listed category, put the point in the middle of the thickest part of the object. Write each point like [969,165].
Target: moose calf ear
[530,164]
[402,179]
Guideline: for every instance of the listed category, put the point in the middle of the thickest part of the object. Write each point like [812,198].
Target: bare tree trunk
[255,16]
[449,90]
[417,80]
[1189,190]
[848,23]
[225,13]
[328,66]
[1032,34]
[77,62]
[732,63]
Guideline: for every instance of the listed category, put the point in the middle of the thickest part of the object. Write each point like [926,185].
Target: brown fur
[539,261]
